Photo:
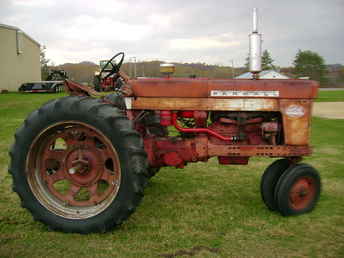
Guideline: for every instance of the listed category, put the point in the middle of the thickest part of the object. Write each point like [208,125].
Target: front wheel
[78,166]
[269,180]
[298,190]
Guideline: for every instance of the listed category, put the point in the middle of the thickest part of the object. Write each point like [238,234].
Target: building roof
[267,74]
[9,27]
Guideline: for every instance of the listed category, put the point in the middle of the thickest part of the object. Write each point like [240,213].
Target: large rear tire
[78,166]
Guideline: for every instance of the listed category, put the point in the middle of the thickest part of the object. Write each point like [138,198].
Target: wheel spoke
[70,135]
[57,176]
[108,176]
[93,190]
[69,139]
[55,155]
[73,190]
[89,141]
[95,198]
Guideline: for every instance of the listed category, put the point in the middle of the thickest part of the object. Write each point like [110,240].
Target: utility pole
[132,61]
[233,71]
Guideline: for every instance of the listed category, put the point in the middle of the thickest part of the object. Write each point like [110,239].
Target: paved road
[330,89]
[333,110]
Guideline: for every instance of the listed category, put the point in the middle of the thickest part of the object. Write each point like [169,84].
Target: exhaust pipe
[255,48]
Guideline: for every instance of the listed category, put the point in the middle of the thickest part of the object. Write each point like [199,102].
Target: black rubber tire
[117,128]
[288,180]
[152,171]
[116,100]
[269,180]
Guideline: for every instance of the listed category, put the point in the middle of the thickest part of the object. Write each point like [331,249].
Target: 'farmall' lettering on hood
[243,93]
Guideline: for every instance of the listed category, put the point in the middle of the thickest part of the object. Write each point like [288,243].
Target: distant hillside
[83,72]
[151,69]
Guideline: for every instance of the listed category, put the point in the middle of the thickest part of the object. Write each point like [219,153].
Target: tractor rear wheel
[78,166]
[269,180]
[298,190]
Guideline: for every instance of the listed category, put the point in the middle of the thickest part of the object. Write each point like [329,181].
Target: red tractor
[80,163]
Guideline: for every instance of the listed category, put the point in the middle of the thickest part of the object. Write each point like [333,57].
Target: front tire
[78,166]
[269,181]
[298,190]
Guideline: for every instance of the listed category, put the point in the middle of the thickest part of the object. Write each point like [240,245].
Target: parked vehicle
[54,83]
[42,86]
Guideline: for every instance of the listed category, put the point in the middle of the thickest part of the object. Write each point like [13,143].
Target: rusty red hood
[204,88]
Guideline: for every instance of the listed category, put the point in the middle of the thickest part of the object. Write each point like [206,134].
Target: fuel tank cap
[167,69]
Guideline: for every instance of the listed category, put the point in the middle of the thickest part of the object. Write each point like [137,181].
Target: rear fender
[76,89]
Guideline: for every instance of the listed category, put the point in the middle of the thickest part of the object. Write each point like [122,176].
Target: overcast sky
[210,31]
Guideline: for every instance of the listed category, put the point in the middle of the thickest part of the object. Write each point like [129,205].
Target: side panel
[296,113]
[207,104]
[296,121]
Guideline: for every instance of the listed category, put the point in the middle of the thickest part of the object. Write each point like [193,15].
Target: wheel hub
[81,165]
[78,170]
[302,193]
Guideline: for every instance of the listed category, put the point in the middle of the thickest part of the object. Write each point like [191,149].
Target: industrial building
[20,58]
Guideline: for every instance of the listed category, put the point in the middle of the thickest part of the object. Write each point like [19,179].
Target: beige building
[19,58]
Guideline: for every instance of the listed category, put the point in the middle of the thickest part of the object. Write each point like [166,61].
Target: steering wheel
[115,66]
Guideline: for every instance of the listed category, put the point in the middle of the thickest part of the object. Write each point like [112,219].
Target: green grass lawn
[330,96]
[206,209]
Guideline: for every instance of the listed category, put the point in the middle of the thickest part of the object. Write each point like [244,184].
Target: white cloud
[33,3]
[193,30]
[88,28]
[201,43]
[60,55]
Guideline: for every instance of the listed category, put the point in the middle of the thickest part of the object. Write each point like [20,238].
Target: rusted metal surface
[258,150]
[302,193]
[296,113]
[200,118]
[171,151]
[231,138]
[76,89]
[270,131]
[293,98]
[209,104]
[270,127]
[166,151]
[191,88]
[198,130]
[124,76]
[296,116]
[69,158]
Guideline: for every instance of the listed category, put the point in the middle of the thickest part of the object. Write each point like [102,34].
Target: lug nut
[72,171]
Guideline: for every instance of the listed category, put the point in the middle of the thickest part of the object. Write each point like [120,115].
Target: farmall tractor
[80,163]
